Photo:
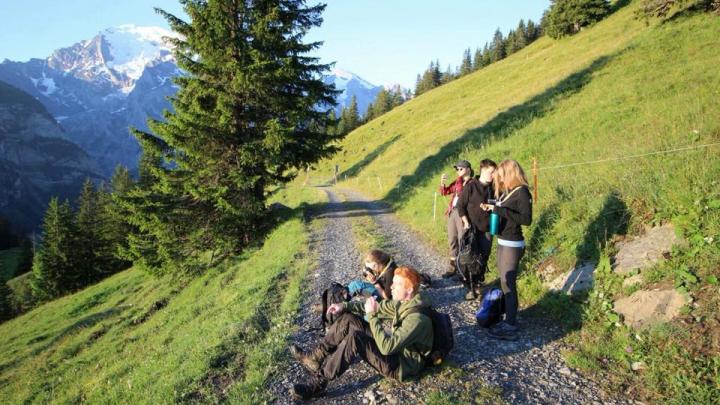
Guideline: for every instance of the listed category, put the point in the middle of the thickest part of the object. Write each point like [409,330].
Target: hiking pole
[435,207]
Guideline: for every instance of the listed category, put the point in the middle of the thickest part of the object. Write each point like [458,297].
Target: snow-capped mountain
[96,89]
[351,85]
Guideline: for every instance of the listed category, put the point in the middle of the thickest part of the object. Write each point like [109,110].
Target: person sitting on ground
[475,192]
[398,355]
[514,207]
[454,225]
[378,275]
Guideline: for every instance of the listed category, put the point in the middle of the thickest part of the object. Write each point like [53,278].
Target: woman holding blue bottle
[512,210]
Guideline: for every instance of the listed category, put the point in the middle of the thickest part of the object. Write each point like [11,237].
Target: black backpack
[443,340]
[469,247]
[334,294]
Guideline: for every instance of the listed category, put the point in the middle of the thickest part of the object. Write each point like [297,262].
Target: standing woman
[514,209]
[455,228]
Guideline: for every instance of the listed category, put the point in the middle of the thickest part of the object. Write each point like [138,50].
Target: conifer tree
[382,103]
[115,225]
[477,59]
[245,117]
[88,251]
[6,307]
[487,55]
[567,17]
[466,66]
[498,46]
[531,31]
[54,271]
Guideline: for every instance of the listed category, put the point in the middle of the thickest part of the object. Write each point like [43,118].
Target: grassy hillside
[617,89]
[136,339]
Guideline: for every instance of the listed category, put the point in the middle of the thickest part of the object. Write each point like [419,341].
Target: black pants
[349,338]
[508,261]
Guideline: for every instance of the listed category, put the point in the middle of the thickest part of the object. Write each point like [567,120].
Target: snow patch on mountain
[132,48]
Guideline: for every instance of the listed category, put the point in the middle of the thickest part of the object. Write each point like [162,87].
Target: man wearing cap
[455,227]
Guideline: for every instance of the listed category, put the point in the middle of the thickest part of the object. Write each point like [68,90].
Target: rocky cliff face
[36,160]
[97,89]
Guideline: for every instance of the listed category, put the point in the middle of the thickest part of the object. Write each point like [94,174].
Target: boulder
[645,308]
[645,250]
[574,281]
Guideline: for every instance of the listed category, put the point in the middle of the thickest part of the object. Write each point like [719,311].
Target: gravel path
[529,370]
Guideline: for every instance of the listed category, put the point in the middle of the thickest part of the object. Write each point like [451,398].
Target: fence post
[435,207]
[535,182]
[379,183]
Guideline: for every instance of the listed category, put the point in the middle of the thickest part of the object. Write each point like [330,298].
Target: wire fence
[397,181]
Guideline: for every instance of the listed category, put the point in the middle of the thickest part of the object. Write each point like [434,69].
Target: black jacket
[475,193]
[513,212]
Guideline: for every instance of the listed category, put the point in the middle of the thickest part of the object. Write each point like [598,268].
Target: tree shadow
[543,225]
[499,127]
[355,169]
[613,219]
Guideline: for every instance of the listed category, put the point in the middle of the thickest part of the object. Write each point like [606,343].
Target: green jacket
[411,335]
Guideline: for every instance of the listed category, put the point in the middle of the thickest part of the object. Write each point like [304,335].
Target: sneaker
[313,387]
[504,331]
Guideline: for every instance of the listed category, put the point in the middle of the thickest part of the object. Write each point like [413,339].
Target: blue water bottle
[494,223]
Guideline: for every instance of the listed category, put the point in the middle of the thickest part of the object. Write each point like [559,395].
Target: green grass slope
[615,90]
[136,339]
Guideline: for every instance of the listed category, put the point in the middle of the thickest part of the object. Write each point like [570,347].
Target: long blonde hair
[509,175]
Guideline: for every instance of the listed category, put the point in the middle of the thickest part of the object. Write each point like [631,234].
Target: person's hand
[486,207]
[370,305]
[443,178]
[466,224]
[335,309]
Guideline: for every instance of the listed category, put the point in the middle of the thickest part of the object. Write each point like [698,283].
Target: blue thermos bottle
[494,223]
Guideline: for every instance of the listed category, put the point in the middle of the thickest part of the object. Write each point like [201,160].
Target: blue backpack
[491,309]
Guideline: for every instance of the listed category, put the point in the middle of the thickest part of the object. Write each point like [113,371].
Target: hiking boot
[313,387]
[312,361]
[504,331]
[470,295]
[452,270]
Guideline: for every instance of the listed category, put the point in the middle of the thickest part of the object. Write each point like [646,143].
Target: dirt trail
[528,370]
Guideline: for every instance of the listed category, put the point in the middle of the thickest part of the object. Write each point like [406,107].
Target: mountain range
[96,89]
[79,104]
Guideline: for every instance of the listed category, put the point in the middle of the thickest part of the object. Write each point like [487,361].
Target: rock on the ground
[646,250]
[645,308]
[574,281]
[632,280]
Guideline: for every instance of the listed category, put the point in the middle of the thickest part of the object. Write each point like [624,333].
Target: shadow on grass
[613,219]
[355,169]
[499,127]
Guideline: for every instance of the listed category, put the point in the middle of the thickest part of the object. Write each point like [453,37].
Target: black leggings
[508,260]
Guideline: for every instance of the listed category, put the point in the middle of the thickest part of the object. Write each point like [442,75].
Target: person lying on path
[454,224]
[476,192]
[514,207]
[398,355]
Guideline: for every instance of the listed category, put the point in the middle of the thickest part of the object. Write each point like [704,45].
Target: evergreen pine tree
[245,117]
[54,271]
[477,59]
[382,104]
[487,55]
[6,307]
[498,46]
[531,31]
[351,116]
[567,17]
[332,122]
[436,75]
[466,66]
[418,85]
[521,40]
[114,223]
[88,250]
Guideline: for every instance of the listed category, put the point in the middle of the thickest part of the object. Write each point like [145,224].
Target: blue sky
[383,41]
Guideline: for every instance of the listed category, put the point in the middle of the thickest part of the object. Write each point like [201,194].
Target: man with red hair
[397,355]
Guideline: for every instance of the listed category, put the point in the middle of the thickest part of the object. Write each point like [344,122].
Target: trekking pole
[535,181]
[435,207]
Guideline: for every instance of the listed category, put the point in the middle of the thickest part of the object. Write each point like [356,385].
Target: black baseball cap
[463,163]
